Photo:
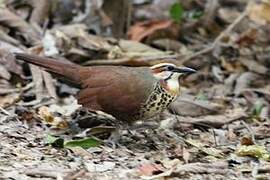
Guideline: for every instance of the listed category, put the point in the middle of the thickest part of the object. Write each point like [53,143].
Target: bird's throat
[171,86]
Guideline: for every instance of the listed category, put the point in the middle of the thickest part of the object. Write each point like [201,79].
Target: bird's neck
[171,86]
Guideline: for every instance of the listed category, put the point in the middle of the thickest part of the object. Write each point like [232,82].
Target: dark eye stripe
[163,68]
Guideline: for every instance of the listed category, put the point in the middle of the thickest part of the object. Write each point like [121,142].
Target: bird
[129,94]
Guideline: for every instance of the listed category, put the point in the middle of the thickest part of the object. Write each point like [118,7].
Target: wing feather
[119,91]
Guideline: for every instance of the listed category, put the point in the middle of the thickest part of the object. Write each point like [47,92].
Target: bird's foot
[114,139]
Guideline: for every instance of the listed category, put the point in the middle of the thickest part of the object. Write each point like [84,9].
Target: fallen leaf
[48,117]
[150,169]
[260,13]
[84,143]
[246,140]
[256,151]
[243,82]
[141,30]
[102,167]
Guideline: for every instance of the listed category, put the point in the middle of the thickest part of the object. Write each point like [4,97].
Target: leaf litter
[218,128]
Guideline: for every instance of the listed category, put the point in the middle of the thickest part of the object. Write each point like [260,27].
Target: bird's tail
[66,69]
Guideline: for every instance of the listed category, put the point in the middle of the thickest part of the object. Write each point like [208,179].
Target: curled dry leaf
[141,30]
[49,118]
[8,61]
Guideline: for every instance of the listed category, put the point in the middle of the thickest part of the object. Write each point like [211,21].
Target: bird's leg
[115,137]
[145,125]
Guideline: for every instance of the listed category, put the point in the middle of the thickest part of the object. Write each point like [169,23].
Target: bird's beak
[184,70]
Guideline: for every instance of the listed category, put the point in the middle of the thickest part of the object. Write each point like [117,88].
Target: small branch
[221,35]
[250,131]
[5,111]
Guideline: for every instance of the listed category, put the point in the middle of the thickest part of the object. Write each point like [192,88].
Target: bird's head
[168,71]
[169,75]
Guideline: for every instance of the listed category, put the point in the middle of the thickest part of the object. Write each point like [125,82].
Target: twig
[250,131]
[22,89]
[4,111]
[221,35]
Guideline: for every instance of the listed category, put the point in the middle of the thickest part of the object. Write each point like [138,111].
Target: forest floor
[219,128]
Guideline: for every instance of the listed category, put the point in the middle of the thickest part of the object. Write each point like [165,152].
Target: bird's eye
[170,68]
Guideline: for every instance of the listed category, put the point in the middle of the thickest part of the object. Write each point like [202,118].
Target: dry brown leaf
[41,11]
[260,13]
[141,30]
[8,100]
[190,106]
[247,38]
[11,20]
[9,64]
[49,118]
[6,38]
[150,169]
[243,82]
[247,140]
[254,66]
[216,121]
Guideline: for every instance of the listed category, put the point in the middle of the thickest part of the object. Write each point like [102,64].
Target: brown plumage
[123,92]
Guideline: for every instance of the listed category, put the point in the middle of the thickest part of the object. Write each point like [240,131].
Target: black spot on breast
[152,104]
[154,97]
[157,108]
[159,103]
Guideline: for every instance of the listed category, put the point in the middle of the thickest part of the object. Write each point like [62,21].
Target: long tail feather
[62,68]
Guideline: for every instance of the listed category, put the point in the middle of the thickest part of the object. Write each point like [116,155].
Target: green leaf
[177,12]
[201,97]
[257,108]
[54,141]
[196,14]
[84,143]
[256,151]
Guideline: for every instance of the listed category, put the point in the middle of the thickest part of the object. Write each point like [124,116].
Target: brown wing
[119,91]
